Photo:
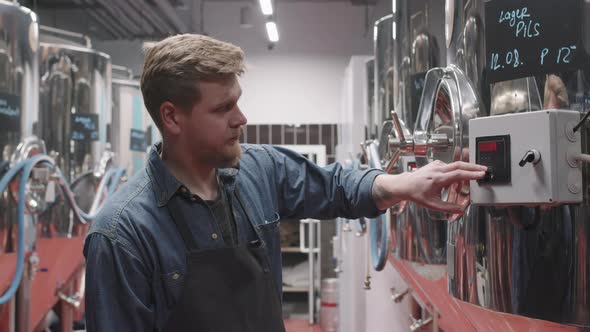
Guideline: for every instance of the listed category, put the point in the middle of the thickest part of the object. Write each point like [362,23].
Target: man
[192,242]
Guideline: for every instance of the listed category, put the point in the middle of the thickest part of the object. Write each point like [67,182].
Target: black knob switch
[489,176]
[531,156]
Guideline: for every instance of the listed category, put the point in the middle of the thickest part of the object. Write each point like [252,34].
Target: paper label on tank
[138,141]
[10,112]
[84,127]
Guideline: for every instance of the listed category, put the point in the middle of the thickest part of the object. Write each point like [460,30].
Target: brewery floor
[292,325]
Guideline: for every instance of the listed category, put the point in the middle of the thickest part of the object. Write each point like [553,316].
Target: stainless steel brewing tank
[465,40]
[131,127]
[529,261]
[418,238]
[74,81]
[19,43]
[75,104]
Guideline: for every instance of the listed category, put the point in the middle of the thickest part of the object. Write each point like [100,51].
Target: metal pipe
[133,16]
[101,17]
[170,12]
[114,29]
[160,25]
[65,33]
[134,28]
[125,70]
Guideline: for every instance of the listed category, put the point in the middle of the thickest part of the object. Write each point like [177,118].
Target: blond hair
[174,66]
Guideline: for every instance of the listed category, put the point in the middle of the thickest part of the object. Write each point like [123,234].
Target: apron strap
[179,220]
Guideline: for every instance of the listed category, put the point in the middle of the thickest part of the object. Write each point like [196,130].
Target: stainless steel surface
[422,53]
[19,67]
[370,125]
[525,261]
[466,46]
[74,80]
[421,239]
[442,128]
[519,95]
[415,237]
[124,73]
[440,133]
[384,48]
[529,261]
[67,34]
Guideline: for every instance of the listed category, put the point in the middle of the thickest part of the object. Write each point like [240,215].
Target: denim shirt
[135,256]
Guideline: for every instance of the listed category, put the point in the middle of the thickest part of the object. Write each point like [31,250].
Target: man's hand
[424,185]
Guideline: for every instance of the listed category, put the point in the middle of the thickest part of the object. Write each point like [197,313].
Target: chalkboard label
[9,112]
[84,127]
[530,37]
[138,140]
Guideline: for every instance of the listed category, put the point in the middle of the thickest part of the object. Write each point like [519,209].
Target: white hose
[102,187]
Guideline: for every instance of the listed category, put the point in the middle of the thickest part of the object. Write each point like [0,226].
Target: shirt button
[175,276]
[183,189]
[214,236]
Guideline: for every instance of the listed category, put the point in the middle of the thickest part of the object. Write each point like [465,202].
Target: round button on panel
[574,181]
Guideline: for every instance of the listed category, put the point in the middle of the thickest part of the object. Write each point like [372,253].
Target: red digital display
[488,146]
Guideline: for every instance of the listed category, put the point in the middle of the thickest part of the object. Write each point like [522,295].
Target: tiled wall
[312,134]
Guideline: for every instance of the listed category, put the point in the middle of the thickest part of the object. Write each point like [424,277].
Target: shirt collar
[165,185]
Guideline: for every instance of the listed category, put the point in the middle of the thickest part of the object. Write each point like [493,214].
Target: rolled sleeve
[367,204]
[117,288]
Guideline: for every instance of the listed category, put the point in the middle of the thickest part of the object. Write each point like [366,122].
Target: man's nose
[239,119]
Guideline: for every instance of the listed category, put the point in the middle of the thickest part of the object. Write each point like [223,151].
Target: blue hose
[119,173]
[113,175]
[378,249]
[4,166]
[27,167]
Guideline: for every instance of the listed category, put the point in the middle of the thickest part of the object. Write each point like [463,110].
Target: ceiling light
[273,33]
[266,6]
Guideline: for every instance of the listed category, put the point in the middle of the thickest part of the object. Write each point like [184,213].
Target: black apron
[225,290]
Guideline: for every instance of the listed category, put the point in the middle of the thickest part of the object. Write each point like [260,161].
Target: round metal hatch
[442,128]
[448,103]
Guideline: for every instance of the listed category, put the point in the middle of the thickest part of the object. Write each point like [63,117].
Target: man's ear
[170,115]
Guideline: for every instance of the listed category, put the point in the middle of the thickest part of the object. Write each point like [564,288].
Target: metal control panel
[531,158]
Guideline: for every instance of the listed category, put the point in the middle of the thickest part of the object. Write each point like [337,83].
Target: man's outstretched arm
[424,186]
